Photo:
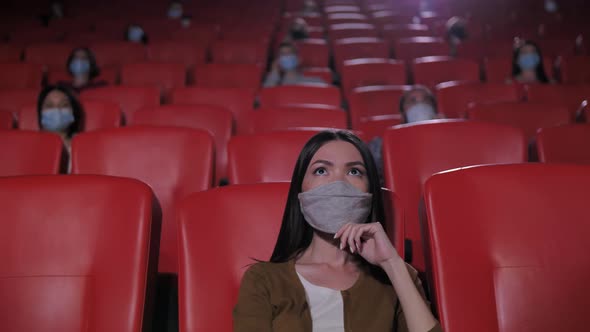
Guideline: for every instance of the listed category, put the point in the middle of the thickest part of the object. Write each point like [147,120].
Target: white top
[326,307]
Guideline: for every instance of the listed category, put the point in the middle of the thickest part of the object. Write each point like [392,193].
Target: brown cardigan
[272,298]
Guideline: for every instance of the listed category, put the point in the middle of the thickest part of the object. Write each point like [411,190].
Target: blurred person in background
[285,69]
[527,64]
[136,34]
[175,10]
[60,112]
[82,67]
[456,33]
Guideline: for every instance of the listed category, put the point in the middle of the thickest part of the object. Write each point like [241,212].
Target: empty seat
[20,75]
[527,116]
[239,101]
[185,53]
[300,94]
[375,126]
[130,99]
[6,120]
[431,71]
[564,144]
[575,69]
[499,69]
[51,55]
[233,51]
[363,72]
[228,75]
[356,48]
[505,225]
[351,30]
[76,251]
[117,53]
[215,119]
[416,47]
[570,95]
[10,53]
[13,100]
[295,117]
[29,153]
[265,157]
[454,98]
[313,52]
[173,161]
[164,76]
[412,153]
[397,31]
[368,101]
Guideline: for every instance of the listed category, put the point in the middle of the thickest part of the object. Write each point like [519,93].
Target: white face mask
[550,6]
[420,112]
[330,206]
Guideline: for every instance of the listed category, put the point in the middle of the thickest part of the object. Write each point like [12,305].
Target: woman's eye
[355,172]
[320,171]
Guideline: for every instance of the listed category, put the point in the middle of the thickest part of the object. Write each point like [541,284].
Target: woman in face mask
[81,65]
[136,34]
[333,266]
[175,10]
[527,64]
[456,33]
[285,68]
[60,112]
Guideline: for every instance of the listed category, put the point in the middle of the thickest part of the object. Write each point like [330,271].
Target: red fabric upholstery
[10,53]
[289,95]
[130,99]
[6,120]
[109,74]
[527,116]
[502,259]
[375,126]
[431,71]
[165,76]
[185,53]
[412,153]
[233,51]
[215,119]
[314,53]
[575,70]
[117,53]
[265,157]
[52,55]
[351,30]
[357,48]
[20,75]
[569,95]
[29,153]
[173,161]
[454,98]
[363,72]
[416,47]
[13,100]
[564,144]
[398,31]
[75,253]
[295,117]
[374,100]
[228,75]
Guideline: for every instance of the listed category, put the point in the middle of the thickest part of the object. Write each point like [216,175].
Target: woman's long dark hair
[296,234]
[539,70]
[94,69]
[77,110]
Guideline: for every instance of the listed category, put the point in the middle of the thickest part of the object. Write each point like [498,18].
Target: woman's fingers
[344,235]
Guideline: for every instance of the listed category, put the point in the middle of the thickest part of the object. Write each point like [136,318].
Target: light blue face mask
[79,67]
[57,119]
[288,62]
[135,34]
[528,61]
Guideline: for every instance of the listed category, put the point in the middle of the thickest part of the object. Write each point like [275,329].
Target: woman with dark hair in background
[82,67]
[333,267]
[60,112]
[527,64]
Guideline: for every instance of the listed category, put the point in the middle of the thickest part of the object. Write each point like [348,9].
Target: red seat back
[431,71]
[265,157]
[291,95]
[412,153]
[575,70]
[570,95]
[117,53]
[351,30]
[10,53]
[130,99]
[314,53]
[228,75]
[215,119]
[364,72]
[232,51]
[76,253]
[52,55]
[454,98]
[564,144]
[173,161]
[357,48]
[29,153]
[13,100]
[110,75]
[185,53]
[505,223]
[416,47]
[6,120]
[164,76]
[295,117]
[374,100]
[20,75]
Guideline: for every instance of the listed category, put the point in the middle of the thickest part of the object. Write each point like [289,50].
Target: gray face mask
[330,206]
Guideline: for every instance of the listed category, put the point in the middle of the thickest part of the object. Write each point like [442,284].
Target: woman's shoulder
[269,270]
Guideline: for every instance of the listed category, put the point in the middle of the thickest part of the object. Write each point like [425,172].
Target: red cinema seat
[398,31]
[185,53]
[264,120]
[530,117]
[6,120]
[431,71]
[554,48]
[232,51]
[412,153]
[337,18]
[499,69]
[454,98]
[368,101]
[341,6]
[12,100]
[215,119]
[117,53]
[51,55]
[526,268]
[364,72]
[323,73]
[130,99]
[29,153]
[408,49]
[570,95]
[314,52]
[10,53]
[110,75]
[575,70]
[239,101]
[173,161]
[228,75]
[300,94]
[352,30]
[20,75]
[564,144]
[357,48]
[32,34]
[76,253]
[375,126]
[265,157]
[164,76]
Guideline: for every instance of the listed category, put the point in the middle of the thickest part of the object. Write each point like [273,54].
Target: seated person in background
[175,10]
[456,33]
[60,112]
[136,34]
[82,67]
[527,64]
[297,31]
[285,69]
[310,7]
[333,262]
[186,21]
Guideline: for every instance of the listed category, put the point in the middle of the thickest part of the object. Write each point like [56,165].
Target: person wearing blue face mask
[527,64]
[285,69]
[60,112]
[175,10]
[82,67]
[136,34]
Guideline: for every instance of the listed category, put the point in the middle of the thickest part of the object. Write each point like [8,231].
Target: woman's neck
[323,249]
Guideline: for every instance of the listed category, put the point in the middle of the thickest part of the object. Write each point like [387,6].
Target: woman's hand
[368,240]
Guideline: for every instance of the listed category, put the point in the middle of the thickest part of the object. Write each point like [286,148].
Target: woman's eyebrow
[320,161]
[355,163]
